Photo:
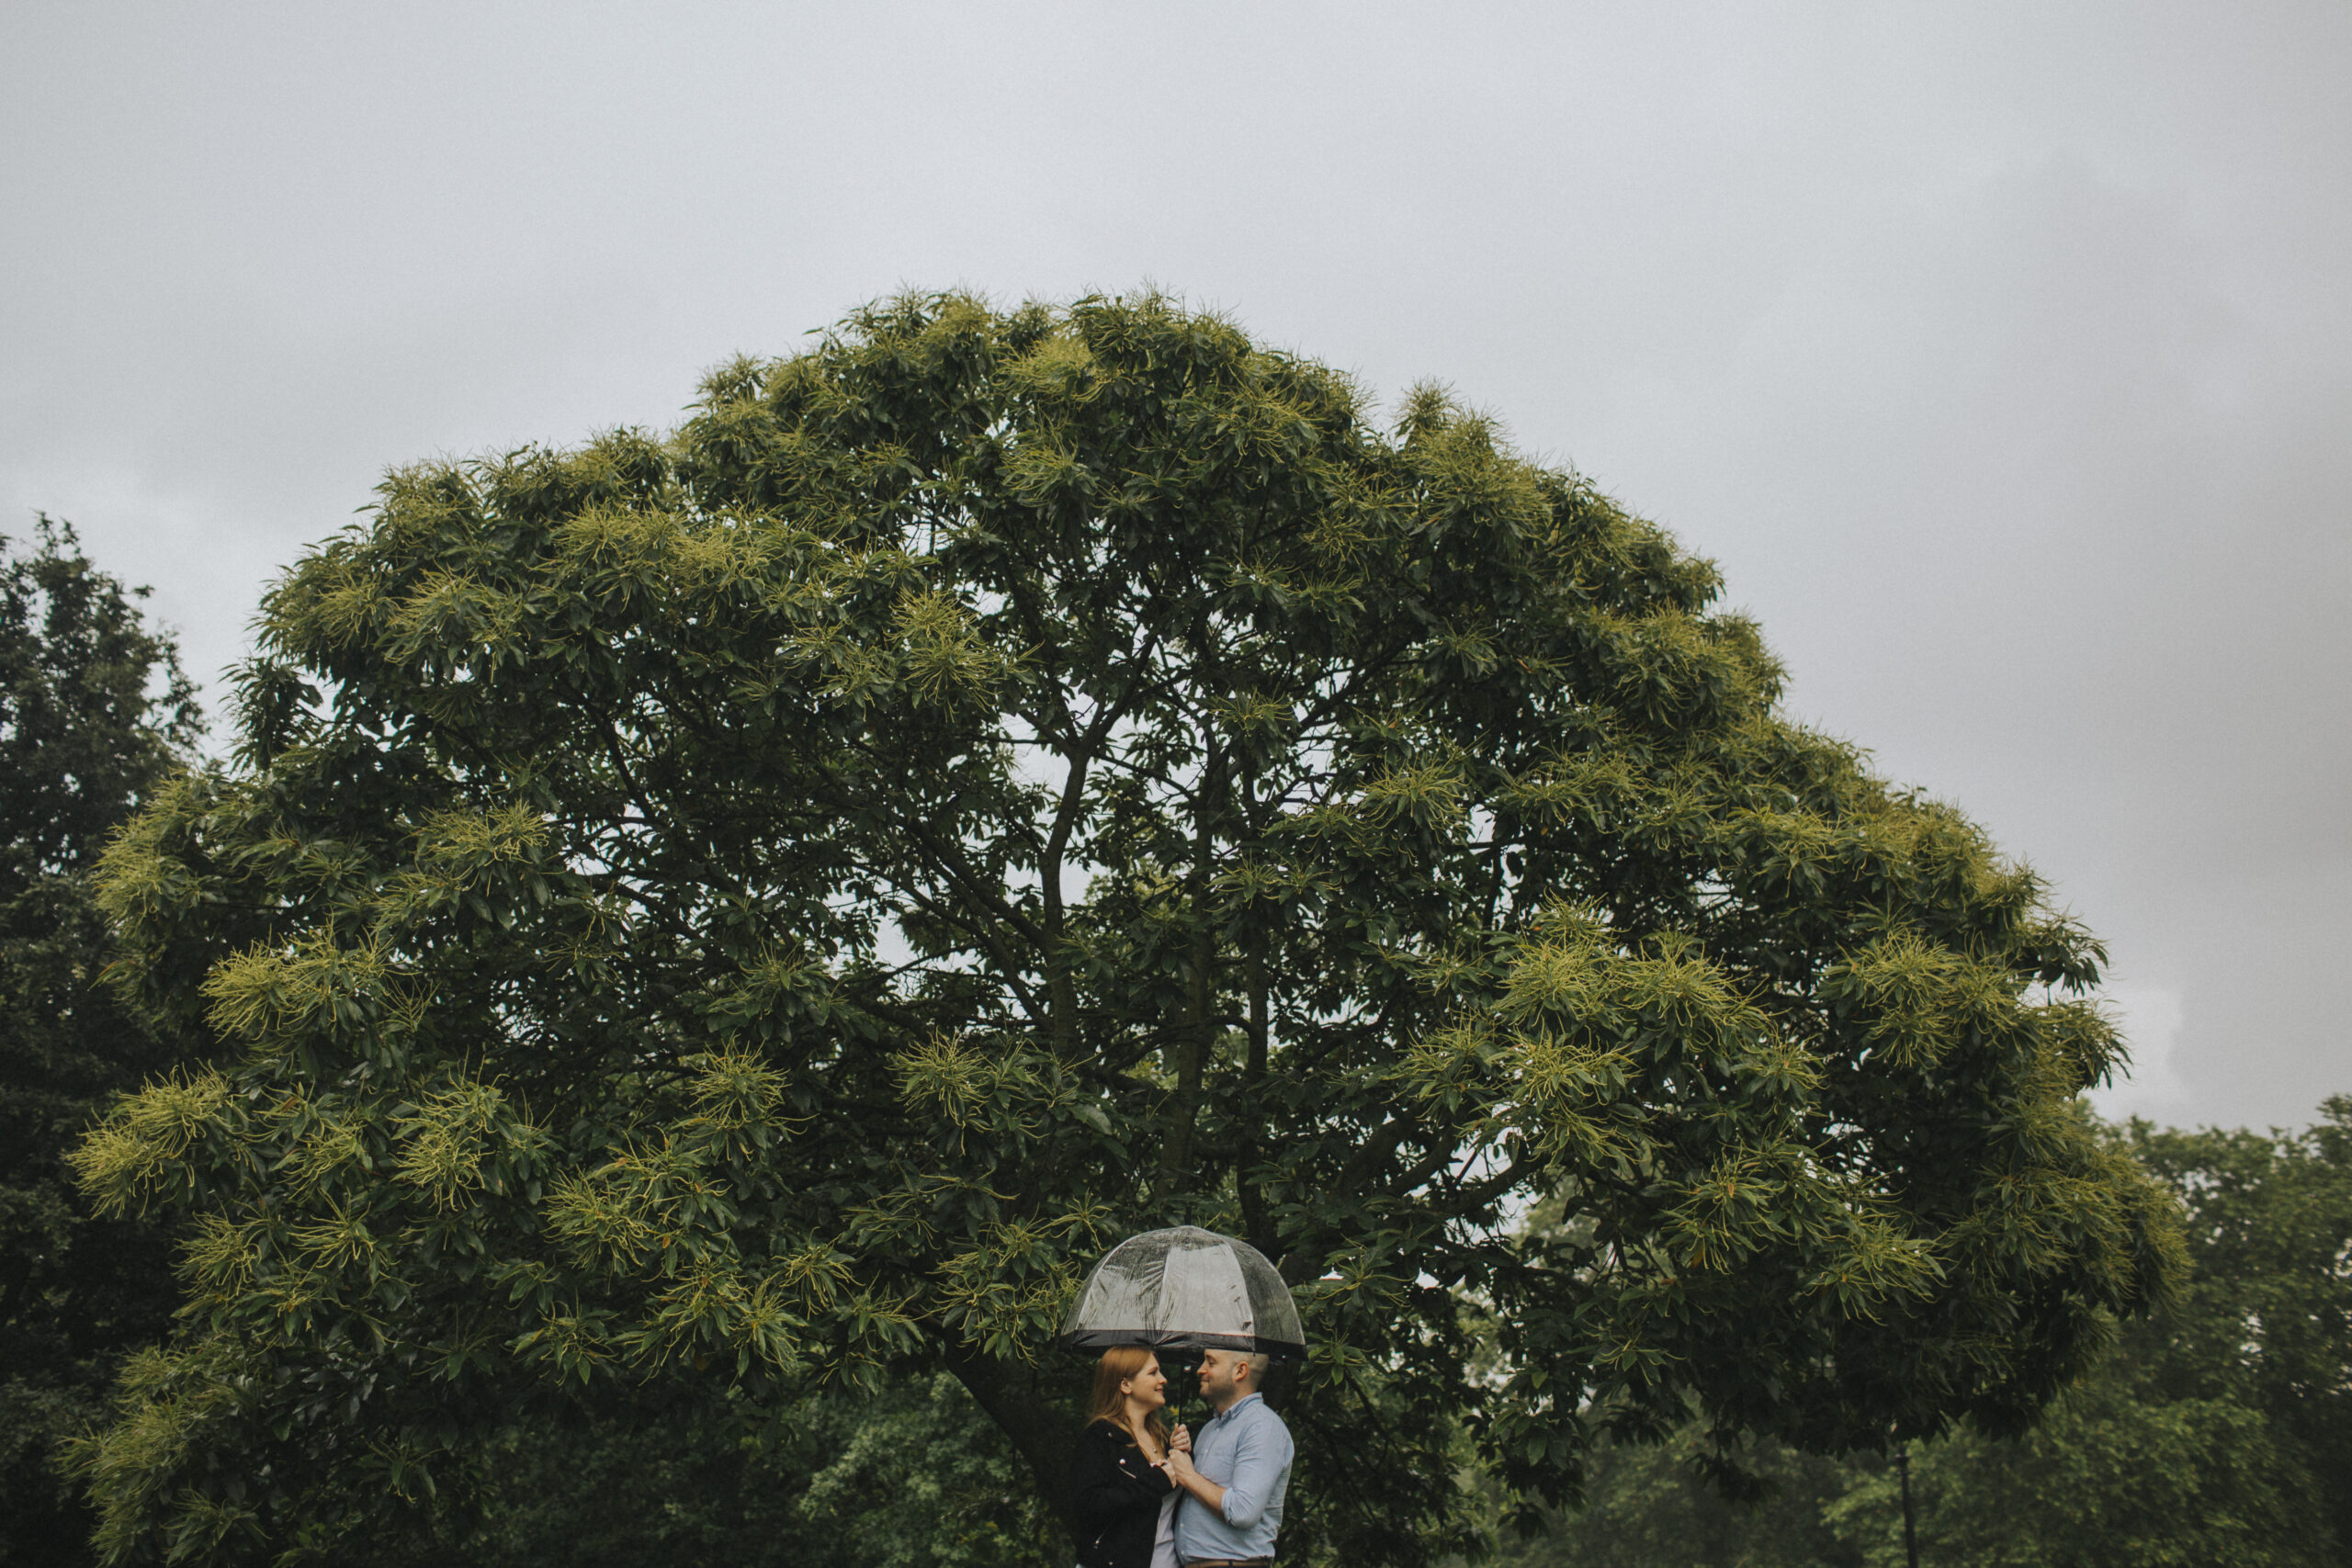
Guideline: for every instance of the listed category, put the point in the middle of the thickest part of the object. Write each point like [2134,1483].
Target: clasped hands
[1179,1462]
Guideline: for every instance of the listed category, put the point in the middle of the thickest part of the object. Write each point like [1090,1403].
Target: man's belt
[1227,1561]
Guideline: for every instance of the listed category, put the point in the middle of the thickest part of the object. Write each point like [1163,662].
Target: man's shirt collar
[1234,1406]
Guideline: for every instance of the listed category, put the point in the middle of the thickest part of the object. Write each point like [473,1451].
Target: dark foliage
[94,714]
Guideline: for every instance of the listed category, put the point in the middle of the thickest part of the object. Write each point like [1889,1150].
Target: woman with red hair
[1121,1497]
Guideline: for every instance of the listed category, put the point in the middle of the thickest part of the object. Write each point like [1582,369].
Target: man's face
[1221,1375]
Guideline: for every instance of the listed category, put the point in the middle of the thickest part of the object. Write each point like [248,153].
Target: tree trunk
[1043,1433]
[1256,1222]
[1198,1035]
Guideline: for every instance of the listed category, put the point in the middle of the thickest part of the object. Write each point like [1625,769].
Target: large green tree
[94,714]
[782,897]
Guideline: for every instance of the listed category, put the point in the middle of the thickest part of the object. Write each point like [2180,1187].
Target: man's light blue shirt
[1247,1450]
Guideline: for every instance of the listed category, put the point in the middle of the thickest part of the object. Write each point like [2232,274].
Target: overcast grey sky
[2002,353]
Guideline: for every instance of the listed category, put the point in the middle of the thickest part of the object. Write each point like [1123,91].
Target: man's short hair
[1254,1360]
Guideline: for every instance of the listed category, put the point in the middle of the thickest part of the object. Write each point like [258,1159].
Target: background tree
[2210,1433]
[94,714]
[780,898]
[2266,1318]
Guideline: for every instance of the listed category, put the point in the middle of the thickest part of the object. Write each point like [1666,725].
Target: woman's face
[1147,1387]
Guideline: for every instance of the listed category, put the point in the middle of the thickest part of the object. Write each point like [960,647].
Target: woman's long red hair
[1119,1363]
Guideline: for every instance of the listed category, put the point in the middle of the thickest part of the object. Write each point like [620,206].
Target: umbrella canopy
[1185,1289]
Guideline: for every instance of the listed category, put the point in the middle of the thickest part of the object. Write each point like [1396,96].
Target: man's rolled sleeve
[1260,1460]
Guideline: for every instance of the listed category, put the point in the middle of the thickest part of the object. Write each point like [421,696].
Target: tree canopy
[778,898]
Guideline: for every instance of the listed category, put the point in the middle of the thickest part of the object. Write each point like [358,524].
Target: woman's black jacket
[1115,1497]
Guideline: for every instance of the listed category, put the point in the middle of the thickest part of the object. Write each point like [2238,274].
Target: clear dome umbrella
[1185,1289]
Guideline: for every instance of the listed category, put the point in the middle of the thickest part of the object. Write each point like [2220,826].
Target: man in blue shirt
[1239,1468]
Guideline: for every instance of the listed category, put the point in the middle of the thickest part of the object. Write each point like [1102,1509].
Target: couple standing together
[1146,1493]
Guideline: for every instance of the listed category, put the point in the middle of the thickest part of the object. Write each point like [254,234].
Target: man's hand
[1181,1471]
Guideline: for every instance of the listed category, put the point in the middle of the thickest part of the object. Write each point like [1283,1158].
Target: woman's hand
[1181,1441]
